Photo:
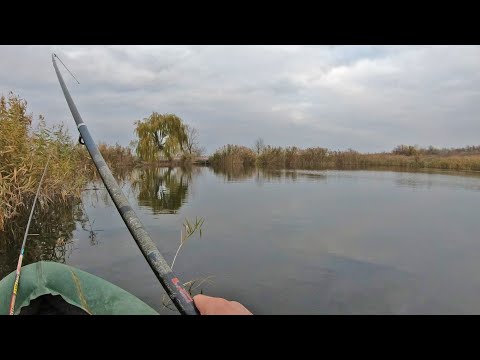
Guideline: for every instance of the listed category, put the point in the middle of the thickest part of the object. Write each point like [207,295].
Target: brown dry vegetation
[233,155]
[24,150]
[117,155]
[403,156]
[23,154]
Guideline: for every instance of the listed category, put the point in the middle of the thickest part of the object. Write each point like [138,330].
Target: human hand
[208,305]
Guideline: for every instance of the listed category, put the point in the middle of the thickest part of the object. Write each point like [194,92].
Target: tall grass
[233,156]
[24,149]
[23,154]
[117,155]
[403,156]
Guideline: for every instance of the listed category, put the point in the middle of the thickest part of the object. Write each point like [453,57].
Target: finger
[242,308]
[202,301]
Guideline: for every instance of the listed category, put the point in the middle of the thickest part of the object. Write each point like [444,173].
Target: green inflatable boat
[50,288]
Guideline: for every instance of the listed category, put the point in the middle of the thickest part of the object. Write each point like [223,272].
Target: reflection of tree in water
[96,193]
[53,224]
[235,173]
[232,173]
[270,175]
[163,189]
[89,226]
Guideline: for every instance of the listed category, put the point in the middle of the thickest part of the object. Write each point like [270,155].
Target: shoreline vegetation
[24,151]
[25,148]
[318,158]
[164,140]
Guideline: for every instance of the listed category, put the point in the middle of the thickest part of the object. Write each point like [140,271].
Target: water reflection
[427,181]
[162,189]
[235,173]
[267,175]
[52,234]
[326,241]
[261,176]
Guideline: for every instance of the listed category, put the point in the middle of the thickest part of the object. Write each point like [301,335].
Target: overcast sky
[369,98]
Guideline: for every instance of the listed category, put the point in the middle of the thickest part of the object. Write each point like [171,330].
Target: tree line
[292,157]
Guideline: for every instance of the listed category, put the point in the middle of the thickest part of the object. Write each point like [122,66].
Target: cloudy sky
[369,98]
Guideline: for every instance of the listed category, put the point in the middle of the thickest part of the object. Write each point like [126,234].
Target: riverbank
[199,160]
[407,157]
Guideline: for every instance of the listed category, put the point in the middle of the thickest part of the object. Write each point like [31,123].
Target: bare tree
[192,144]
[259,145]
[199,150]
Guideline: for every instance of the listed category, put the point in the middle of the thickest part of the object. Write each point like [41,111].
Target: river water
[296,242]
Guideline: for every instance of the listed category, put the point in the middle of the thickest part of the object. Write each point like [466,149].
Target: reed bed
[317,158]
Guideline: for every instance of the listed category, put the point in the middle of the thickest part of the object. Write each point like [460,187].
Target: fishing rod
[20,259]
[172,285]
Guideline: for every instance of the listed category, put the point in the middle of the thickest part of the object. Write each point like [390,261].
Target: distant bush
[117,155]
[402,156]
[271,157]
[233,155]
[406,150]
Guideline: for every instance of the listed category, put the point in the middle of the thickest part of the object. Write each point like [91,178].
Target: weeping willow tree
[160,134]
[163,189]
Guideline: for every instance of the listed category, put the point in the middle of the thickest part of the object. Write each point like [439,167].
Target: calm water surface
[298,242]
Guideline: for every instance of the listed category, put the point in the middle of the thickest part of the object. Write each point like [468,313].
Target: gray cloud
[370,98]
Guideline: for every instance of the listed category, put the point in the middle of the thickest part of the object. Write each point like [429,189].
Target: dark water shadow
[51,236]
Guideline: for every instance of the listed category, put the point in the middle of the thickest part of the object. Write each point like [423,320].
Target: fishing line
[65,66]
[170,282]
[80,139]
[20,259]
